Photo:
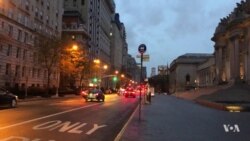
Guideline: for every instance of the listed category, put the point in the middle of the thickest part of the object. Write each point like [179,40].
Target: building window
[34,57]
[23,71]
[9,50]
[38,73]
[3,24]
[7,84]
[18,52]
[47,5]
[74,3]
[25,37]
[47,19]
[19,35]
[17,71]
[33,72]
[83,2]
[27,5]
[1,47]
[57,13]
[10,30]
[187,79]
[8,69]
[24,54]
[36,12]
[41,15]
[45,74]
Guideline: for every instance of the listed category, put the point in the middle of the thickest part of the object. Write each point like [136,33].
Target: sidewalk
[36,98]
[151,126]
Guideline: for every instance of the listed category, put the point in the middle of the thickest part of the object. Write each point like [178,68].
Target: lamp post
[97,63]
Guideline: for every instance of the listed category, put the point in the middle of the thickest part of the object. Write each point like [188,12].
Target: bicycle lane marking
[48,116]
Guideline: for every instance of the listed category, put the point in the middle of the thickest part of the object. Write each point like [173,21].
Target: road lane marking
[48,116]
[67,126]
[95,128]
[11,138]
[118,137]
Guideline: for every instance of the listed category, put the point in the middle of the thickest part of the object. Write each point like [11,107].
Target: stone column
[231,56]
[247,57]
[248,63]
[220,63]
[217,65]
[236,60]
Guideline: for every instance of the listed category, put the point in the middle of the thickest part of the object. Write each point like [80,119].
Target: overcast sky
[170,28]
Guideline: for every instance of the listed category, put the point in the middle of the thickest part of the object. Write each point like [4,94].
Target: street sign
[145,56]
[142,48]
[145,59]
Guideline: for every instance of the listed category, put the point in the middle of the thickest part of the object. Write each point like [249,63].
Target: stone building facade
[21,21]
[99,27]
[117,43]
[74,27]
[206,73]
[184,71]
[232,46]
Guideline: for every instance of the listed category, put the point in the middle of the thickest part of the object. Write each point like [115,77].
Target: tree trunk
[48,84]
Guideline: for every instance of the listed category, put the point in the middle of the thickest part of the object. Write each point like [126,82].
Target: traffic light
[114,78]
[95,80]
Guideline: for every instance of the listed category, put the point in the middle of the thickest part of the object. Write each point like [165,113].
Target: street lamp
[97,61]
[74,47]
[116,72]
[105,67]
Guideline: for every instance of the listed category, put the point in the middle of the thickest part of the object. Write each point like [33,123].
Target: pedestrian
[148,94]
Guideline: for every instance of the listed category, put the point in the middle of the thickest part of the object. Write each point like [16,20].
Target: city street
[66,119]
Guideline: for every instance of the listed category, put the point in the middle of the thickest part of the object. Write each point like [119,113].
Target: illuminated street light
[122,75]
[74,47]
[116,72]
[105,67]
[97,61]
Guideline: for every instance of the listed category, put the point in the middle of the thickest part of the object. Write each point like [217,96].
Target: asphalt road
[67,119]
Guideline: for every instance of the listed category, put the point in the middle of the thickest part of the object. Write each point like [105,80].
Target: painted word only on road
[18,138]
[67,126]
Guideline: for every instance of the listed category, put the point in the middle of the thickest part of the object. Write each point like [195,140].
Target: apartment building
[117,43]
[99,28]
[20,22]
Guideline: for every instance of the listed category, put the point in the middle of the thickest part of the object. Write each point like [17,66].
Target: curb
[120,134]
[44,98]
[211,104]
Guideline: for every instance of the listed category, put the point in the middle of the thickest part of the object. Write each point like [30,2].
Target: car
[130,92]
[93,94]
[7,98]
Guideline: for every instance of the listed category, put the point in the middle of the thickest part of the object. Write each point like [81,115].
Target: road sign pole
[140,88]
[142,48]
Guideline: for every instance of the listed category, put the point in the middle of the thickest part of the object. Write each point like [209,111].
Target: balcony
[77,28]
[74,27]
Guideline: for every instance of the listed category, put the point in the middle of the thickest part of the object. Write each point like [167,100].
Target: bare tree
[49,53]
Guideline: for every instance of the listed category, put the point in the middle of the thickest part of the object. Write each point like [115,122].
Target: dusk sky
[171,28]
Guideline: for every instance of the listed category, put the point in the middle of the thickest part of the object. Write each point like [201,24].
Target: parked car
[7,98]
[93,94]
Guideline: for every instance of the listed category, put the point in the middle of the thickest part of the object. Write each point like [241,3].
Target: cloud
[171,27]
